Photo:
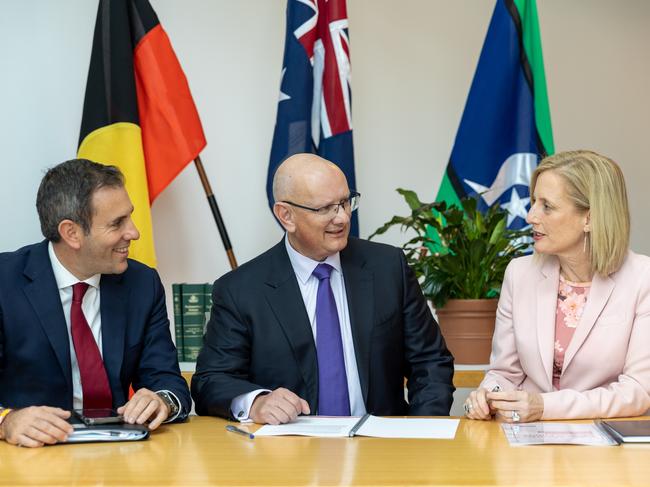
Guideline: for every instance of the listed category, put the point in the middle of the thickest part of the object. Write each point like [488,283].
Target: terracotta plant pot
[468,326]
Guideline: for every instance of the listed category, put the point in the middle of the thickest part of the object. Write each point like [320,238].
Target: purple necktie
[333,398]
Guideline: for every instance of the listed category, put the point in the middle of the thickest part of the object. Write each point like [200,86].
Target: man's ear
[284,214]
[71,233]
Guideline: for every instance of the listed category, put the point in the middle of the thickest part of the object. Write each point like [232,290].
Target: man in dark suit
[320,323]
[79,321]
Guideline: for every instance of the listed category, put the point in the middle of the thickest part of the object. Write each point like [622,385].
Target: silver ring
[467,407]
[515,417]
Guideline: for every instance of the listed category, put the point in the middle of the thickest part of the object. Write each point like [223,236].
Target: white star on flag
[283,96]
[516,206]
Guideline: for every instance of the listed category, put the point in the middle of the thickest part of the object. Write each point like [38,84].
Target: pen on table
[239,431]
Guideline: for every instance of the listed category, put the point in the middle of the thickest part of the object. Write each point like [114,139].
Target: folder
[106,432]
[368,425]
[627,431]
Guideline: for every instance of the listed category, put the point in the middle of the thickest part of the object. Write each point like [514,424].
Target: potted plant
[460,256]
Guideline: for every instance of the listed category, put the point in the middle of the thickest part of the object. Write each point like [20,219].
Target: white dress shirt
[90,306]
[303,267]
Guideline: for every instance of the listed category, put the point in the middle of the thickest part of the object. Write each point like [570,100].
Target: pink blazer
[607,364]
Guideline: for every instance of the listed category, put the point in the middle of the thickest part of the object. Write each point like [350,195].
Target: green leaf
[396,220]
[411,198]
[497,233]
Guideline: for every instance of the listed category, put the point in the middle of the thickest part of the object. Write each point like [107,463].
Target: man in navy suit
[321,323]
[79,321]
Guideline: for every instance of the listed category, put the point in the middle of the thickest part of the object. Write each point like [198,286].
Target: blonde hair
[596,184]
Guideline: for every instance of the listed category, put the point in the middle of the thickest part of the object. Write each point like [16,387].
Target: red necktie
[94,381]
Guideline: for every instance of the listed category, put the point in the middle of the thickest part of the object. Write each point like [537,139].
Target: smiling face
[311,181]
[558,226]
[105,249]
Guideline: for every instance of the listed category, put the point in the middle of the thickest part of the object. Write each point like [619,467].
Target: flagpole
[216,213]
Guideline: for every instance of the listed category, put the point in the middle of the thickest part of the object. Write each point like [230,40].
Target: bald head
[301,174]
[304,185]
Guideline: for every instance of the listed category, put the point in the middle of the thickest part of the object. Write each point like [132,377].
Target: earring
[584,243]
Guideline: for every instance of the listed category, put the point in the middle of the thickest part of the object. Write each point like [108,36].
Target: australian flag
[315,104]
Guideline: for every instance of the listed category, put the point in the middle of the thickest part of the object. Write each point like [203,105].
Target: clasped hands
[508,406]
[36,426]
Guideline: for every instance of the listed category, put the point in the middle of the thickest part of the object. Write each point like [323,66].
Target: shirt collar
[304,266]
[64,278]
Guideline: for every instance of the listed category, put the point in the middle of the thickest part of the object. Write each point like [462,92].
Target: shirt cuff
[178,404]
[240,407]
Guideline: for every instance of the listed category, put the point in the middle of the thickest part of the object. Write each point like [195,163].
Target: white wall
[412,64]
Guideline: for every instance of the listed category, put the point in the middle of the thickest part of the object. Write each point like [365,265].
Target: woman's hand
[516,406]
[477,406]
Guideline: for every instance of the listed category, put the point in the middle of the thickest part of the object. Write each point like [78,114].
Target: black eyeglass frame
[323,210]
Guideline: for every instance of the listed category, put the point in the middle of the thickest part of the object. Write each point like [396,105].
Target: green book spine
[178,320]
[193,318]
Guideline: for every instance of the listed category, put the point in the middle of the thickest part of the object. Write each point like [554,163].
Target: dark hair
[66,193]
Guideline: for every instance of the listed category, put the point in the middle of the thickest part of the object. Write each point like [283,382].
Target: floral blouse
[571,300]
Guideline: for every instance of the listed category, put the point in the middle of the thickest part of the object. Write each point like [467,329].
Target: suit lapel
[43,295]
[113,303]
[601,290]
[284,297]
[359,289]
[547,289]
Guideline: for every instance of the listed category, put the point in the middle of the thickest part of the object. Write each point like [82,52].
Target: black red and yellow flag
[138,111]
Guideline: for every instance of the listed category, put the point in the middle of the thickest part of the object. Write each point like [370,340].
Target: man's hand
[529,406]
[36,426]
[277,407]
[145,405]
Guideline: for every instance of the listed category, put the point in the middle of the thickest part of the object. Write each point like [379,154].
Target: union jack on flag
[315,104]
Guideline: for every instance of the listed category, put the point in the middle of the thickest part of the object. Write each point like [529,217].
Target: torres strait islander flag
[506,126]
[138,111]
[315,104]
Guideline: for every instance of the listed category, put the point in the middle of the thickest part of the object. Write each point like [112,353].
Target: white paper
[441,429]
[556,434]
[324,426]
[374,426]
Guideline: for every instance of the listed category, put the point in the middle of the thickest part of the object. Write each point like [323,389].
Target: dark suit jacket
[259,335]
[34,346]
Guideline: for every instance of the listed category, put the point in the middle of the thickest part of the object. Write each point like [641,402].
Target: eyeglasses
[349,204]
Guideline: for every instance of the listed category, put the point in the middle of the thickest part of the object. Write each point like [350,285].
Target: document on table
[439,429]
[556,434]
[368,425]
[327,427]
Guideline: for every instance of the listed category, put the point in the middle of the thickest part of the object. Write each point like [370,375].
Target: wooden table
[201,452]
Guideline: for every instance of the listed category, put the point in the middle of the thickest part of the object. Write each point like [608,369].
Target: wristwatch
[171,403]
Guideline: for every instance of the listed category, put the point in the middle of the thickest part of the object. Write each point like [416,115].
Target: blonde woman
[572,336]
